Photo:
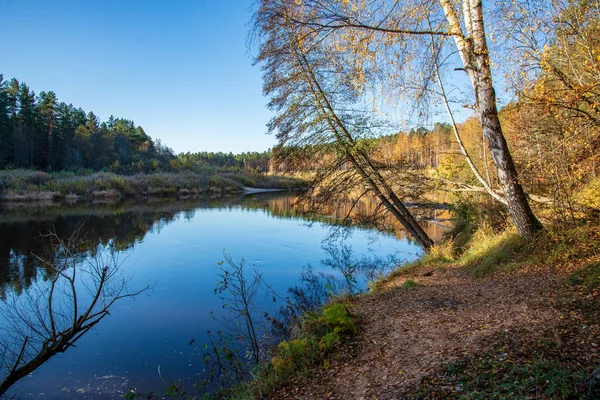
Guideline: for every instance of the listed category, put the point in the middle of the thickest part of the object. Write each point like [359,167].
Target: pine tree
[47,111]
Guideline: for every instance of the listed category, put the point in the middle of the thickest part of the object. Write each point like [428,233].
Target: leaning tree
[390,42]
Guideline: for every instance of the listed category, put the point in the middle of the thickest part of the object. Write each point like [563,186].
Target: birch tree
[389,41]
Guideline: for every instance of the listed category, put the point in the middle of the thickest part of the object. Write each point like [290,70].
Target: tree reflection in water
[125,224]
[47,318]
[347,276]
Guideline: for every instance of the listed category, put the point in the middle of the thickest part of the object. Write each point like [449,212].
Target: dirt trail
[409,333]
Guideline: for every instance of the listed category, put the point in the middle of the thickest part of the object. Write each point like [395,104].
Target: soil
[410,334]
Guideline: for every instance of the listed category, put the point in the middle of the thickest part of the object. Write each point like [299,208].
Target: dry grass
[29,186]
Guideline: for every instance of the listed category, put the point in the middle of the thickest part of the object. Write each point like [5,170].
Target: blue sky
[178,68]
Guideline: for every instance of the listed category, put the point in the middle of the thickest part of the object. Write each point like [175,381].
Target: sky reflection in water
[177,253]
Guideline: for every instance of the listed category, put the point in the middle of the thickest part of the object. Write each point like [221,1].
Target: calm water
[174,247]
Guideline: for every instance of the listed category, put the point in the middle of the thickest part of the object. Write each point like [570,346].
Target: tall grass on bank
[28,185]
[482,243]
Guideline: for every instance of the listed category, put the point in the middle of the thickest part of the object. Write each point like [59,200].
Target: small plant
[329,341]
[338,319]
[243,346]
[319,333]
[409,284]
[294,355]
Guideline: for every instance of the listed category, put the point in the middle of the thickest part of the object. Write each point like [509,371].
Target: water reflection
[23,229]
[24,244]
[346,275]
[78,290]
[369,212]
[177,246]
[256,317]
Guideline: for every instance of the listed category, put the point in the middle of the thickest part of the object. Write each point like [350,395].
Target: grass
[409,284]
[28,185]
[502,377]
[487,252]
[588,277]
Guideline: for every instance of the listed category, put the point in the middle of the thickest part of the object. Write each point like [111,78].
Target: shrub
[329,341]
[294,355]
[589,196]
[320,332]
[338,319]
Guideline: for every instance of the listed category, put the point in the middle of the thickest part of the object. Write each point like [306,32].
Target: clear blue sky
[178,68]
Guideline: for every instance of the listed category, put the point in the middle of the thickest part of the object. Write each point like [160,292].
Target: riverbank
[503,319]
[38,186]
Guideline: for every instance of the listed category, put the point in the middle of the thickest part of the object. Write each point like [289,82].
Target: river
[172,247]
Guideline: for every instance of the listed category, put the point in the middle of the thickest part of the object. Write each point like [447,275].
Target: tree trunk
[50,147]
[360,160]
[475,57]
[518,206]
[485,103]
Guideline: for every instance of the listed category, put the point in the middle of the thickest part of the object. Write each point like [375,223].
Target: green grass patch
[409,284]
[587,277]
[505,378]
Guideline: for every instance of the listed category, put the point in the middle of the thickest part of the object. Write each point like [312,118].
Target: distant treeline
[37,131]
[417,149]
[253,161]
